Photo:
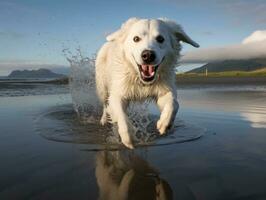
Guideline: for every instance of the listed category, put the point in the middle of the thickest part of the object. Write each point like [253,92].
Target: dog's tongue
[148,69]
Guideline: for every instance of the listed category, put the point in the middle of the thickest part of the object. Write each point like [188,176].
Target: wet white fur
[118,79]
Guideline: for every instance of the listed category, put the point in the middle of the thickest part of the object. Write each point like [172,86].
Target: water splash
[86,104]
[138,114]
[82,85]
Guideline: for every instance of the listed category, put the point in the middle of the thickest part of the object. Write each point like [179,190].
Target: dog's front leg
[118,114]
[168,106]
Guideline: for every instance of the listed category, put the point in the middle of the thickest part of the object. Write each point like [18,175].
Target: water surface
[228,162]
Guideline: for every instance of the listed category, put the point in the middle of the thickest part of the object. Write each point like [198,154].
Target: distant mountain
[232,65]
[61,70]
[38,74]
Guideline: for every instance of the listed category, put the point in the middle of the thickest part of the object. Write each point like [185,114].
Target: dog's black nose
[148,56]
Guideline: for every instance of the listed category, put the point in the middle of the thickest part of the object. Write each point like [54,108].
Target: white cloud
[254,46]
[257,36]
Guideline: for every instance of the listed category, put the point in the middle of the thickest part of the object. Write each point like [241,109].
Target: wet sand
[228,162]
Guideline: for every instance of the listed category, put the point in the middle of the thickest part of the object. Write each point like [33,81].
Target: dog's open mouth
[147,72]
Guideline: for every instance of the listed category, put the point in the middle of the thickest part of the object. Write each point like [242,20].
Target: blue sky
[34,32]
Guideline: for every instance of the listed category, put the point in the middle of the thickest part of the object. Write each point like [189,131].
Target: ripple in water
[80,123]
[63,125]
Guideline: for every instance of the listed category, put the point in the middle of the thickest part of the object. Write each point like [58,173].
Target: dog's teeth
[145,76]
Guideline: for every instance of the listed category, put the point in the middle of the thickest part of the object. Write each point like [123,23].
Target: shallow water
[228,162]
[62,124]
[8,89]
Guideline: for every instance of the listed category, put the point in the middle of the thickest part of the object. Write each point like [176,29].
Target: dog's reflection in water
[124,175]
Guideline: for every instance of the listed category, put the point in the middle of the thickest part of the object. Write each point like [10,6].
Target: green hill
[232,65]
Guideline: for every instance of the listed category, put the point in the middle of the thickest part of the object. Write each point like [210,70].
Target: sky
[33,33]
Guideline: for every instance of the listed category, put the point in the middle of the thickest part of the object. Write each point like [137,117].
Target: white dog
[138,62]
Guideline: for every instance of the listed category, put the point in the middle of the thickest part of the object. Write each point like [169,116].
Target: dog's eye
[160,39]
[136,39]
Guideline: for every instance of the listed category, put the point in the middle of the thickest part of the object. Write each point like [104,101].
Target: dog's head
[150,44]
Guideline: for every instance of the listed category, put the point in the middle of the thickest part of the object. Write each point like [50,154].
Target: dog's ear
[120,33]
[179,32]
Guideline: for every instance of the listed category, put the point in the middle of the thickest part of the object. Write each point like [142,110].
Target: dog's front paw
[162,126]
[126,139]
[103,120]
[127,143]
